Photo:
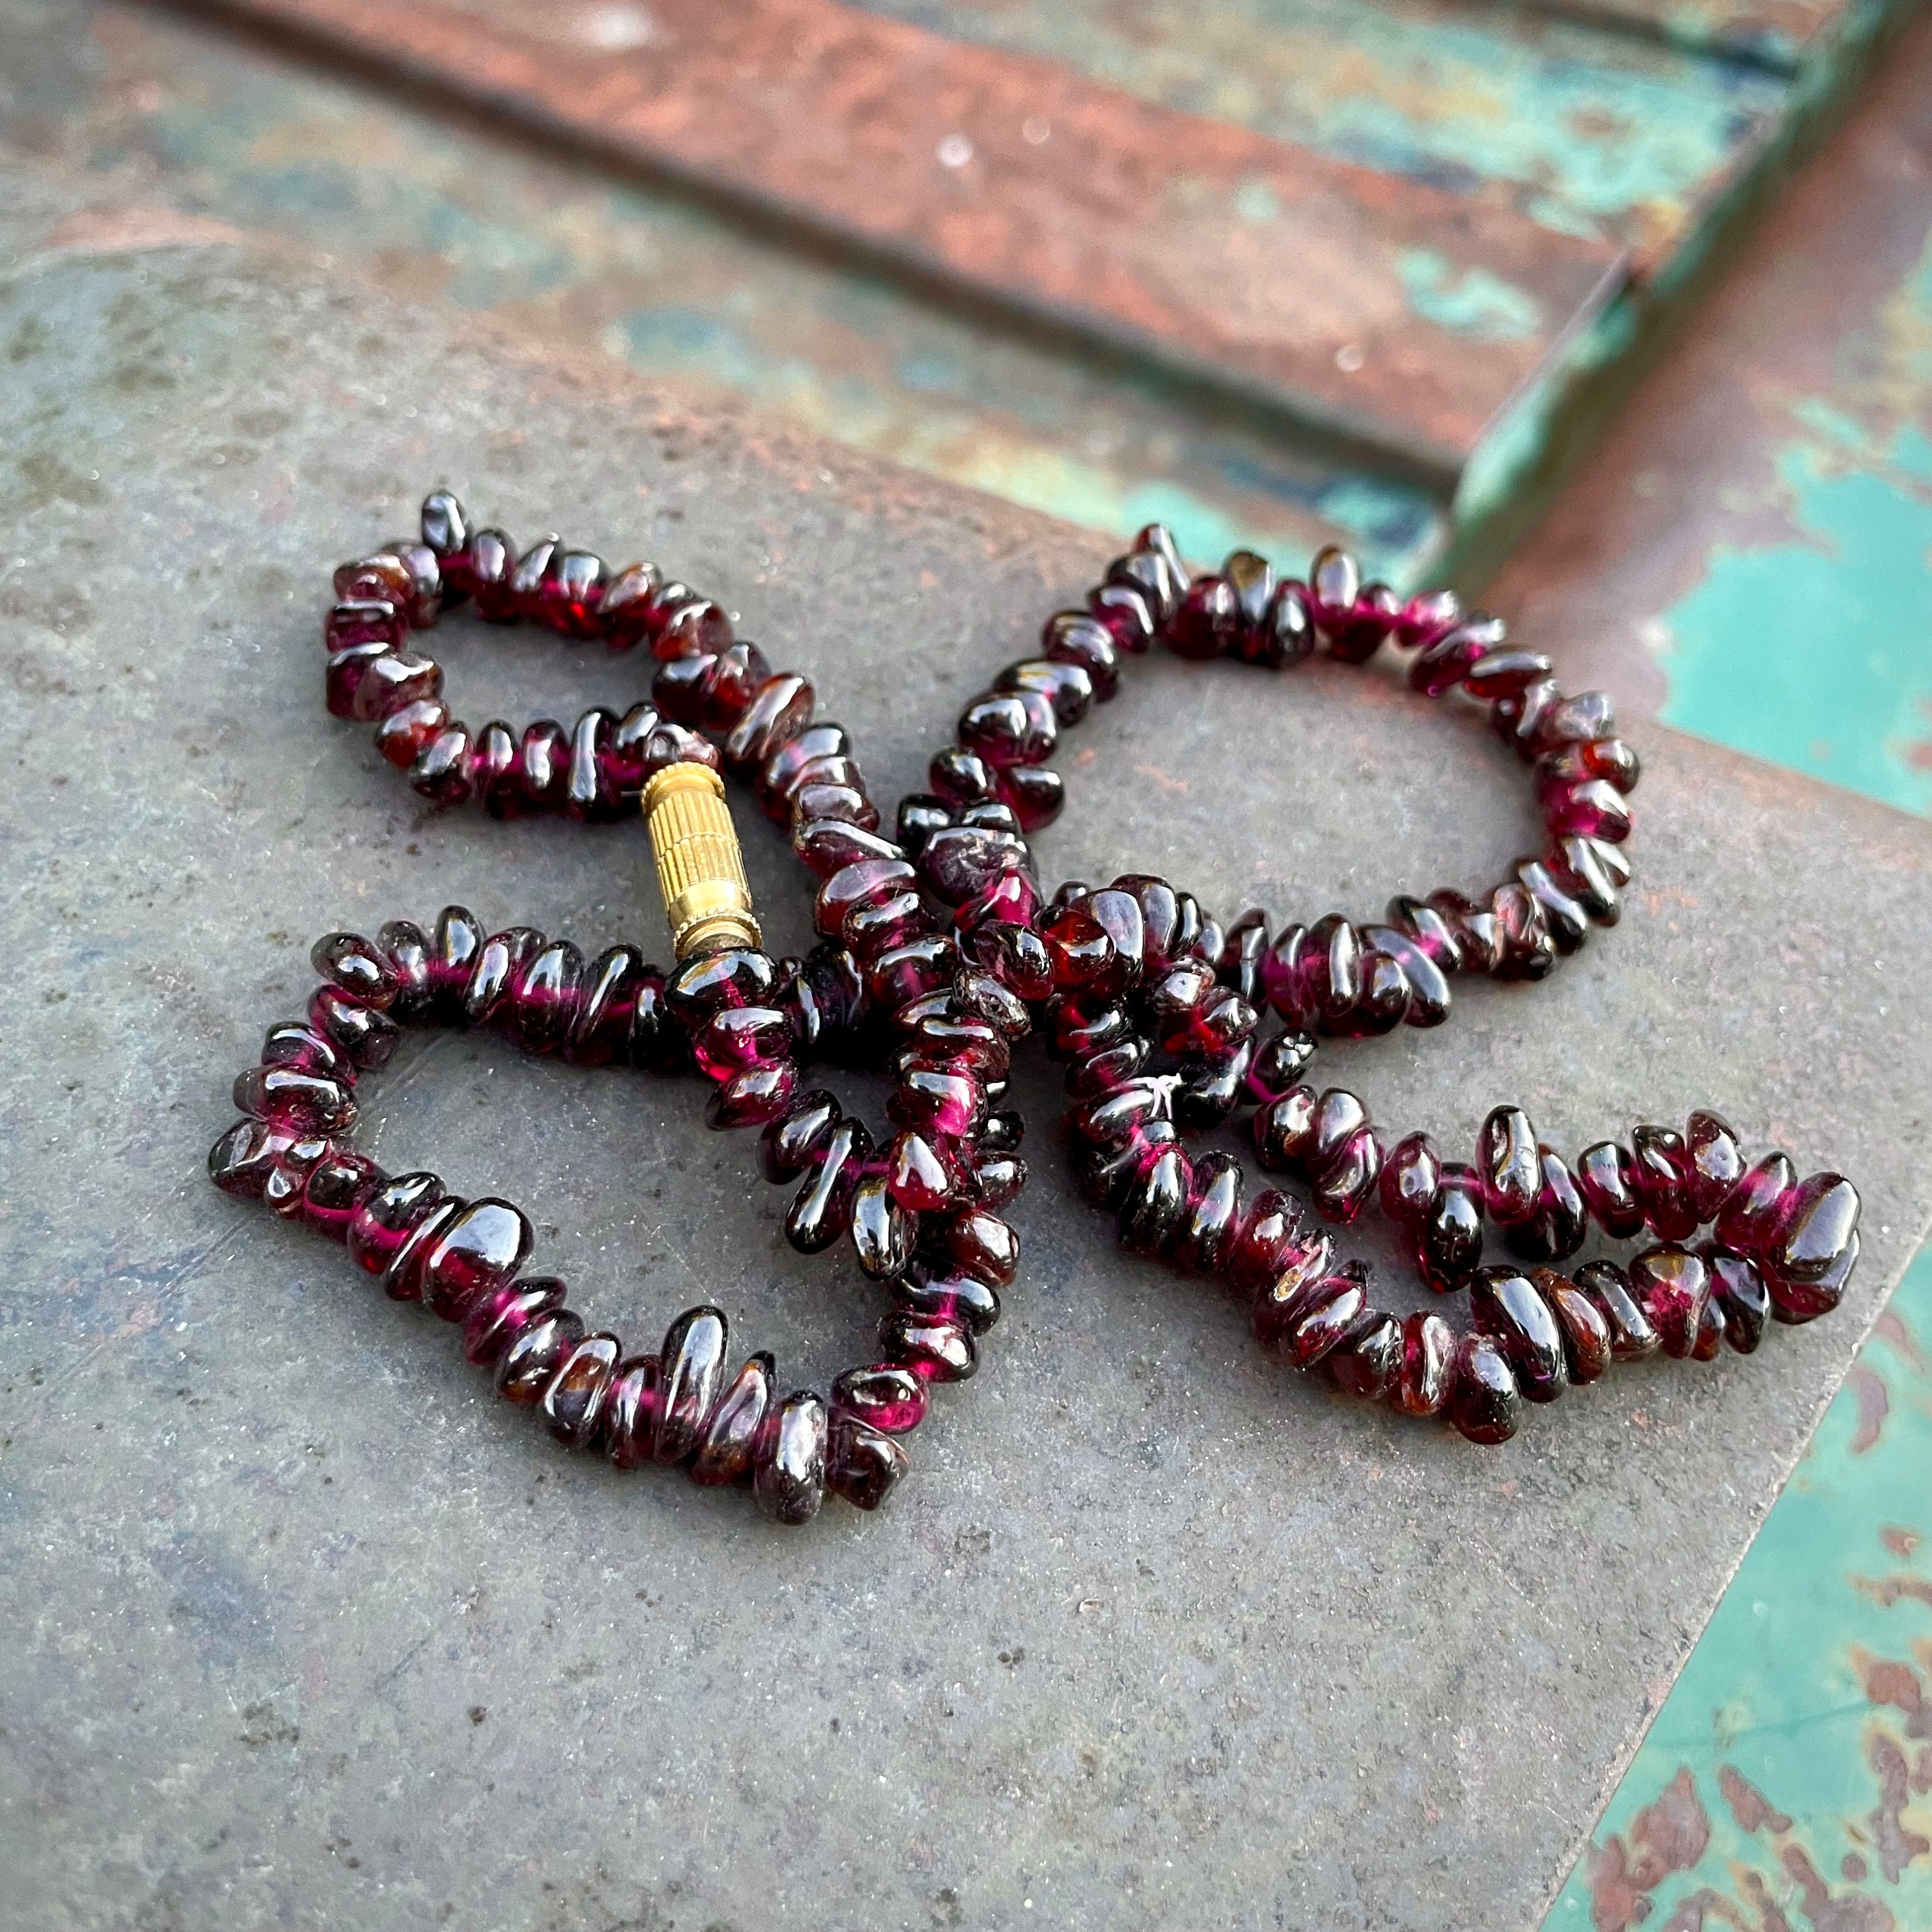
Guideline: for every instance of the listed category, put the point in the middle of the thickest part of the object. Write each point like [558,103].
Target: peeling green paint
[1475,303]
[1788,1769]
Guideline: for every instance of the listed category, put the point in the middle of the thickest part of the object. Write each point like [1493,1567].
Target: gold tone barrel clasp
[701,870]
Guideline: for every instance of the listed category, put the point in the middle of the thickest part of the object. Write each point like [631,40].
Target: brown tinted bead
[1412,1173]
[1714,1164]
[737,1421]
[1738,1292]
[574,1403]
[788,1462]
[408,732]
[1449,1242]
[883,1231]
[389,682]
[1504,1303]
[1367,1364]
[1608,1290]
[630,1416]
[1428,1360]
[1662,1169]
[780,709]
[822,1211]
[1507,1159]
[1329,1312]
[1485,1403]
[1213,1213]
[1556,1231]
[1586,1333]
[525,1369]
[445,769]
[980,1244]
[1074,637]
[365,1037]
[936,1349]
[862,1464]
[692,1378]
[296,1102]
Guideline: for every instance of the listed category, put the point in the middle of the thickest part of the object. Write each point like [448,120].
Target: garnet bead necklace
[939,955]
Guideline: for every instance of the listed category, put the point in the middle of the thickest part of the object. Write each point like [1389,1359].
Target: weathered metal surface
[302,1629]
[1582,132]
[1339,295]
[1778,33]
[559,251]
[1750,554]
[1786,1781]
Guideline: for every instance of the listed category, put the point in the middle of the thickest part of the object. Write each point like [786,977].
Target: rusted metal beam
[1276,271]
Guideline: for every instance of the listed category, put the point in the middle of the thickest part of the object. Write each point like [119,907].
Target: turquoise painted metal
[1787,1780]
[1852,487]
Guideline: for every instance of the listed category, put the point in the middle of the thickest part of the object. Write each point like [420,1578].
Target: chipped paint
[1787,1780]
[1474,303]
[1814,648]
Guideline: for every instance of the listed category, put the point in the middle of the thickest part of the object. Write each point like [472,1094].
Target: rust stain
[1672,1832]
[1896,1846]
[1617,1901]
[1753,1811]
[1887,1590]
[1890,1327]
[1874,1402]
[1889,1683]
[1134,222]
[1899,1539]
[1855,1911]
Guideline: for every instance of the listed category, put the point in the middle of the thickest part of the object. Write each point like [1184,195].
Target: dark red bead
[1213,1214]
[1009,728]
[737,1422]
[822,1210]
[481,1250]
[1594,809]
[303,1050]
[543,766]
[980,1244]
[1485,1402]
[493,570]
[883,1231]
[297,1103]
[1067,687]
[830,845]
[1606,1179]
[948,1296]
[1714,1164]
[1555,1230]
[1671,1286]
[1330,1310]
[862,1464]
[606,1007]
[788,1462]
[1507,1159]
[1411,1173]
[1208,622]
[1608,1289]
[1504,1303]
[1749,1220]
[501,1317]
[373,620]
[1662,1171]
[752,1099]
[387,683]
[935,1349]
[779,710]
[891,1399]
[1449,1243]
[690,1379]
[1586,1333]
[525,1369]
[1074,637]
[965,859]
[1367,1362]
[335,1187]
[1740,1297]
[381,1226]
[1259,1251]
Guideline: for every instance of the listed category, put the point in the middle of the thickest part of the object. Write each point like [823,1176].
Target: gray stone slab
[303,1629]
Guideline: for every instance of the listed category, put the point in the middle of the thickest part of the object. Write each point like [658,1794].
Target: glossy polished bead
[1009,728]
[936,1349]
[1448,1243]
[950,1105]
[1555,1230]
[338,1183]
[303,1050]
[692,1379]
[481,1249]
[947,1295]
[1594,809]
[883,1230]
[1748,1221]
[1671,1286]
[1345,1183]
[788,1462]
[920,816]
[752,1099]
[1328,1310]
[713,982]
[1528,946]
[1485,1403]
[574,1401]
[298,1103]
[526,1367]
[1606,1178]
[1663,1171]
[381,1226]
[1815,1226]
[1741,1298]
[737,1421]
[978,1242]
[1507,1159]
[828,845]
[862,1464]
[365,1037]
[782,771]
[1504,1303]
[779,710]
[822,1211]
[1714,1164]
[965,859]
[738,1037]
[501,1316]
[798,1138]
[1367,1362]
[1428,1361]
[605,1007]
[890,1399]
[1259,1251]
[1608,1289]
[1586,1331]
[1156,1202]
[631,1408]
[1410,1175]
[356,967]
[1213,1216]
